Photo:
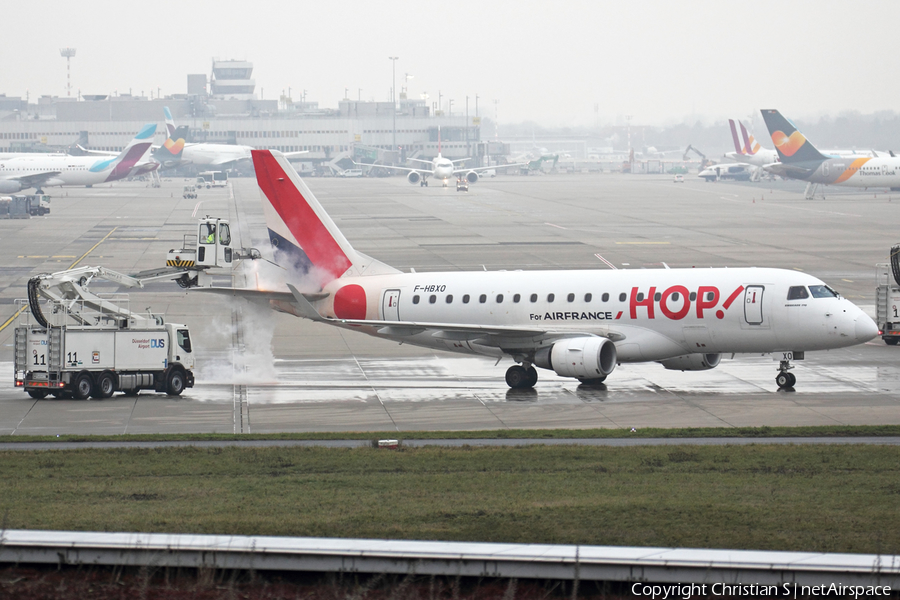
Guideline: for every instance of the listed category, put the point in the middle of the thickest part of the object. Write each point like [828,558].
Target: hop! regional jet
[579,324]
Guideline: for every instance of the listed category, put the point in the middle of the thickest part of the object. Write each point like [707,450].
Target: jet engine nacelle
[413,177]
[584,357]
[472,177]
[692,362]
[9,186]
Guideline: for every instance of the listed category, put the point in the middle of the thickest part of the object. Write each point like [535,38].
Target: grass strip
[775,497]
[691,432]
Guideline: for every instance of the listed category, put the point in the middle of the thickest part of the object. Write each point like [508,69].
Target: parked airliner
[175,151]
[580,324]
[40,170]
[801,160]
[442,169]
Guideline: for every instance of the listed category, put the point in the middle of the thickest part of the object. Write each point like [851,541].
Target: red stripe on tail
[302,221]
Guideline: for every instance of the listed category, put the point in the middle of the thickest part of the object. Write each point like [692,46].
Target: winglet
[304,308]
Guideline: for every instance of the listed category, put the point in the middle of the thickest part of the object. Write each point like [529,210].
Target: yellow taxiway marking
[644,243]
[83,256]
[847,280]
[557,226]
[798,269]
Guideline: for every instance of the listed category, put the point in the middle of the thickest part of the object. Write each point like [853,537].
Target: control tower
[231,80]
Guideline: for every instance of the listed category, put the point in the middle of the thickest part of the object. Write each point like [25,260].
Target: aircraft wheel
[517,377]
[593,381]
[84,387]
[785,380]
[532,376]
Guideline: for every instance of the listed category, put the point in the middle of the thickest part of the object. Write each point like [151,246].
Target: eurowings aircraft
[580,324]
[801,160]
[39,170]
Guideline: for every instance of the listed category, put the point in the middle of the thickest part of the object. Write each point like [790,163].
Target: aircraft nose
[866,329]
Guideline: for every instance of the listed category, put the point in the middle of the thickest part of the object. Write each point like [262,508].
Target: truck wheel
[175,383]
[891,341]
[84,387]
[105,387]
[37,394]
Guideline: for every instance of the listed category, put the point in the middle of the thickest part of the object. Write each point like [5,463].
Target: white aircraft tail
[303,236]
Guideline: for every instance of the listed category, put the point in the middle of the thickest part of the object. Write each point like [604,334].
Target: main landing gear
[785,379]
[423,183]
[520,377]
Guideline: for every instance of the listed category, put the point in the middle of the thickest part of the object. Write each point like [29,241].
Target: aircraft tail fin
[751,146]
[792,146]
[305,239]
[172,149]
[170,122]
[136,149]
[734,137]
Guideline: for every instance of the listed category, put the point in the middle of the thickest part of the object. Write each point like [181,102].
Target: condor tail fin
[791,145]
[304,238]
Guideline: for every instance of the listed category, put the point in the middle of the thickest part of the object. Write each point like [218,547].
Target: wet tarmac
[264,372]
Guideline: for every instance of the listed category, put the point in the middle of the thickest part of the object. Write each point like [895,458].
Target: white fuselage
[214,154]
[442,168]
[73,170]
[762,157]
[650,314]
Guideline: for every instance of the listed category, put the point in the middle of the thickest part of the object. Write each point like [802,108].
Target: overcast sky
[550,61]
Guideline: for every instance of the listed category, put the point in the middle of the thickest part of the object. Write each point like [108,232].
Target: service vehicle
[212,179]
[82,344]
[887,298]
[462,184]
[190,192]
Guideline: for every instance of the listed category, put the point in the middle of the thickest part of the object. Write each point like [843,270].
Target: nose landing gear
[785,379]
[521,377]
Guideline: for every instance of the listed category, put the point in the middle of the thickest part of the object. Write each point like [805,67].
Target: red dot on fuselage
[720,314]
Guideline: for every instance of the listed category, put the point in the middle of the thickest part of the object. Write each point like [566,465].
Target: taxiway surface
[259,371]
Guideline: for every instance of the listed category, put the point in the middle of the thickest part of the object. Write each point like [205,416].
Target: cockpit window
[822,291]
[797,292]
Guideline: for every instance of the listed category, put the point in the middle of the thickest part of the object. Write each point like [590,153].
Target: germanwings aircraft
[801,160]
[580,324]
[750,151]
[39,170]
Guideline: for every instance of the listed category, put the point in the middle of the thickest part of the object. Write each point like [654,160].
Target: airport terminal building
[226,109]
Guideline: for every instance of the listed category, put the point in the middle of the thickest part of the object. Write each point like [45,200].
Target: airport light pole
[68,53]
[393,60]
[468,153]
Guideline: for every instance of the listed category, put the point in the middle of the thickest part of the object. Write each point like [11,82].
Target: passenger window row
[499,298]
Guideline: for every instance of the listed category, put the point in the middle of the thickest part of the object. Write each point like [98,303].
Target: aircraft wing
[786,170]
[35,179]
[86,152]
[405,169]
[476,169]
